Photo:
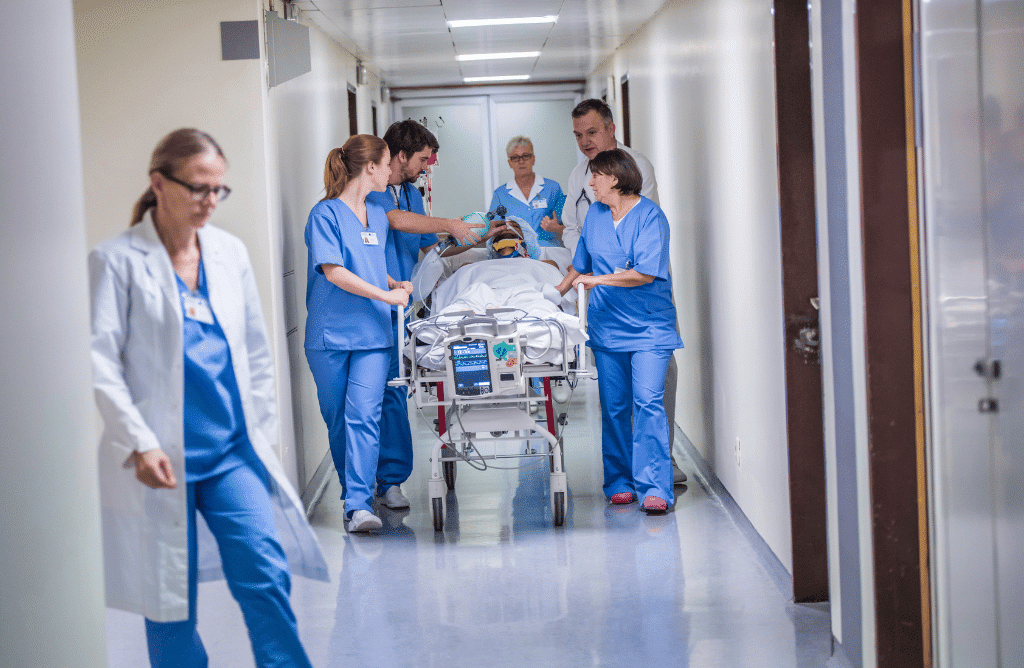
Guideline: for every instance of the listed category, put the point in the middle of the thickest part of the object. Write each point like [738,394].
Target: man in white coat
[593,125]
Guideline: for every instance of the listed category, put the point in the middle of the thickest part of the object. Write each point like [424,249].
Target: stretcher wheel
[558,510]
[437,508]
[449,474]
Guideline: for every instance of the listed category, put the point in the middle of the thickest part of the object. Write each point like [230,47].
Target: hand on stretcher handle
[400,342]
[581,308]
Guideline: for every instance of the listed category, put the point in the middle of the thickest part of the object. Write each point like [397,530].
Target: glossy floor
[501,587]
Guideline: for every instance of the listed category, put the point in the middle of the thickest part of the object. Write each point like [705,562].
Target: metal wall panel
[973,169]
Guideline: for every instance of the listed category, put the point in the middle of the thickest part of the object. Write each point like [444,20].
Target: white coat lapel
[223,292]
[158,262]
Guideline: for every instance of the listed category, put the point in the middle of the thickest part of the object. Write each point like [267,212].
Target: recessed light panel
[498,56]
[502,22]
[510,77]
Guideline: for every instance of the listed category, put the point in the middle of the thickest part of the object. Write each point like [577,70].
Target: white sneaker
[364,520]
[678,477]
[393,498]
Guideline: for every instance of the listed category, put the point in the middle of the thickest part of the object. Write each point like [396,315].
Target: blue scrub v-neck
[215,433]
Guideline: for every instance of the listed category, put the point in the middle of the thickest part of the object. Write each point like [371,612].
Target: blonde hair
[348,161]
[169,155]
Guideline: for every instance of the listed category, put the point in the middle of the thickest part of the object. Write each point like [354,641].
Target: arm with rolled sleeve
[111,302]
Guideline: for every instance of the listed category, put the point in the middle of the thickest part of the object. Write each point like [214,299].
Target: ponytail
[336,173]
[345,163]
[146,202]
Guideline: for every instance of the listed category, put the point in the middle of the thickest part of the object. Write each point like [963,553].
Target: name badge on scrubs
[196,308]
[539,203]
[619,270]
[369,238]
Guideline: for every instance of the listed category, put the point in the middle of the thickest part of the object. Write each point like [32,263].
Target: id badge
[539,203]
[369,238]
[197,308]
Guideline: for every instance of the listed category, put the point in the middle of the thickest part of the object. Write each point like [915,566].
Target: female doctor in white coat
[622,257]
[183,379]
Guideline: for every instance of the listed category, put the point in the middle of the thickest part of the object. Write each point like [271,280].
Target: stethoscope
[583,196]
[398,198]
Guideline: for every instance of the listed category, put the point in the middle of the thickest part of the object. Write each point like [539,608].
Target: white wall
[309,117]
[150,66]
[51,592]
[703,111]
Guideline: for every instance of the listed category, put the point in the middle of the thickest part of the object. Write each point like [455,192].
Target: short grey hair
[515,142]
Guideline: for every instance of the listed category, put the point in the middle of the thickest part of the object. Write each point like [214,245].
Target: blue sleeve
[582,260]
[650,246]
[427,240]
[323,236]
[556,199]
[382,199]
[495,199]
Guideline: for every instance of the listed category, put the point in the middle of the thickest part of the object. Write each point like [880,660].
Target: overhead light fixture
[508,77]
[501,22]
[498,56]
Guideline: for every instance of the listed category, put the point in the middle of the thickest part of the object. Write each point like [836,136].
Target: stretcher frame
[464,421]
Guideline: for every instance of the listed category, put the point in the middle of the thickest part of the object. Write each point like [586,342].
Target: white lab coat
[138,377]
[576,206]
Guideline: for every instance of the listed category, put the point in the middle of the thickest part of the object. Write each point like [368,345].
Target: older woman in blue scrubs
[349,295]
[528,196]
[622,258]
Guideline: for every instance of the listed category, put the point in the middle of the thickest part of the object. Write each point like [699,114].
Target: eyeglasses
[520,158]
[199,193]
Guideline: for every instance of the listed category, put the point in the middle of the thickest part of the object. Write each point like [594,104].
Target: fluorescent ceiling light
[498,56]
[510,77]
[501,22]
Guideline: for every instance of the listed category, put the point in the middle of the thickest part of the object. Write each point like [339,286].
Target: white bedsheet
[520,283]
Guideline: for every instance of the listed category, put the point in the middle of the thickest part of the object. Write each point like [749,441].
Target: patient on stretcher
[509,242]
[498,276]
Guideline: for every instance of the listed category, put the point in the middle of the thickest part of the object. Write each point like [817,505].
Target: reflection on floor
[501,587]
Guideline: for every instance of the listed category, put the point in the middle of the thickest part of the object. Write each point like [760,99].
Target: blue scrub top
[541,206]
[637,318]
[403,248]
[215,437]
[338,319]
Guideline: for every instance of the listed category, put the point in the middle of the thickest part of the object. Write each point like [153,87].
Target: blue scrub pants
[395,463]
[634,428]
[236,506]
[350,387]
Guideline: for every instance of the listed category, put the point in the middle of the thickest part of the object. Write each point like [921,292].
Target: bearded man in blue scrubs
[409,232]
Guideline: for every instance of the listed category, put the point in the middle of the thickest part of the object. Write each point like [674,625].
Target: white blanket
[521,283]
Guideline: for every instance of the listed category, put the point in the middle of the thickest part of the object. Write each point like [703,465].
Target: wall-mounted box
[287,48]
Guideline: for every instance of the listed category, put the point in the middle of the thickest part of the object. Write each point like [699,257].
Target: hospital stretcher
[483,393]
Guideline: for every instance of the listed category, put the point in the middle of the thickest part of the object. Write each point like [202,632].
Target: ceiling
[408,42]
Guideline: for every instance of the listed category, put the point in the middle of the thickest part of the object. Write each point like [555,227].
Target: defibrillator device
[484,358]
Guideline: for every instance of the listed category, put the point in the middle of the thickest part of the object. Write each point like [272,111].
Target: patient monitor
[484,358]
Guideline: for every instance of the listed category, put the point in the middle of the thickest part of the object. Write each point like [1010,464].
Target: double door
[971,104]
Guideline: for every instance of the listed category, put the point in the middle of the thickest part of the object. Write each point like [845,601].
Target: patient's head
[509,241]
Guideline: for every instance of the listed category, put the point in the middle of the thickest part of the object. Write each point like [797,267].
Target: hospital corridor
[556,333]
[500,587]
